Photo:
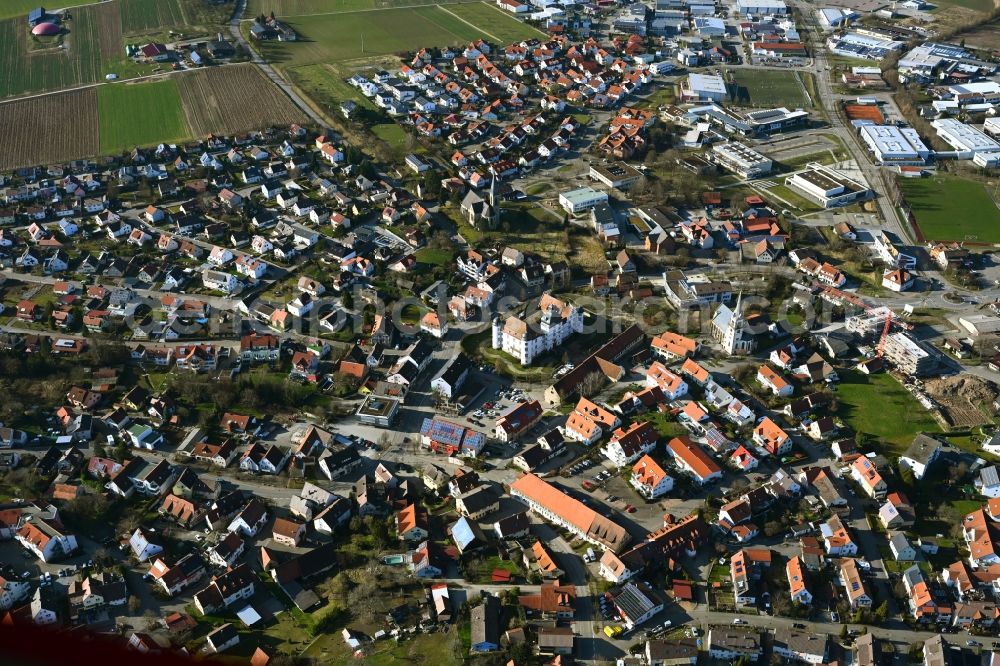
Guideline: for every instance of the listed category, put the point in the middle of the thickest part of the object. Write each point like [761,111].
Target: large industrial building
[704,87]
[827,187]
[968,142]
[761,7]
[895,145]
[745,162]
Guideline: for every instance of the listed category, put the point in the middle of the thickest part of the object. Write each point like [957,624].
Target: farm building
[36,16]
[46,29]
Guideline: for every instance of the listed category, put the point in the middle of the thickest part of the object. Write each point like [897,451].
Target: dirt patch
[962,398]
[985,37]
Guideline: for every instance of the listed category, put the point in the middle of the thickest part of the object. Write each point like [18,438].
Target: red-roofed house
[649,478]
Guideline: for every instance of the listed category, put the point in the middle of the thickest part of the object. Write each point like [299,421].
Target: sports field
[766,87]
[948,208]
[140,114]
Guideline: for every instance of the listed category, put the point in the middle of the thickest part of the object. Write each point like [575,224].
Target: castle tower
[549,316]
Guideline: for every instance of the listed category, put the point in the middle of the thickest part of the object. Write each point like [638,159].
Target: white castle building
[525,339]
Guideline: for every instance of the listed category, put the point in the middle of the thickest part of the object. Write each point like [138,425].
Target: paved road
[873,174]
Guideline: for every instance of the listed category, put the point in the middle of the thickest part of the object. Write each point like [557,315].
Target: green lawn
[952,208]
[793,198]
[880,406]
[767,87]
[435,257]
[328,87]
[394,135]
[336,37]
[140,114]
[439,649]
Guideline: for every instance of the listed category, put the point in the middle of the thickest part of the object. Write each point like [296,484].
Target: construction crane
[885,332]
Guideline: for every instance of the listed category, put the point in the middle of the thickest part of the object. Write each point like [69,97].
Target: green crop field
[952,208]
[501,25]
[140,114]
[286,8]
[766,87]
[336,37]
[150,15]
[20,8]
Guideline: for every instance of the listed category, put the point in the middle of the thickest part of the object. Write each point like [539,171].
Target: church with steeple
[729,328]
[482,213]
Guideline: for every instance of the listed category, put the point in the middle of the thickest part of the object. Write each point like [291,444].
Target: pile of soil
[962,398]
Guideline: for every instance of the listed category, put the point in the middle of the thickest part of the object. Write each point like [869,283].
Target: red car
[487,405]
[629,508]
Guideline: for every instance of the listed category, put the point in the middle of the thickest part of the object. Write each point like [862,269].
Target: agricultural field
[952,208]
[20,8]
[53,128]
[336,37]
[140,16]
[140,114]
[233,99]
[90,40]
[494,22]
[284,8]
[109,28]
[765,87]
